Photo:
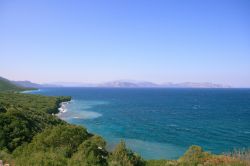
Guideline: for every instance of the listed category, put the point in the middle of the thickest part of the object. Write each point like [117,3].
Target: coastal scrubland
[31,134]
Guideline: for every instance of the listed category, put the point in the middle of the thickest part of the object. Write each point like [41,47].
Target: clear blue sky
[103,40]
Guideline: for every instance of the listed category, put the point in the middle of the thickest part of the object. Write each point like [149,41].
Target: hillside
[29,84]
[26,84]
[7,86]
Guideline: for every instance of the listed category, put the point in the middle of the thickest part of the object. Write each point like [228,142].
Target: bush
[194,155]
[121,156]
[62,139]
[89,154]
[41,158]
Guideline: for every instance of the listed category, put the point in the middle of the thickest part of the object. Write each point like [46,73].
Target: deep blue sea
[162,123]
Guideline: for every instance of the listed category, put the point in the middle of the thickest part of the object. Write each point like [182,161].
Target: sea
[161,123]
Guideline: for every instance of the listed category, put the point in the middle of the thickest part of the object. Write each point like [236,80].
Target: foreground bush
[62,140]
[194,156]
[41,158]
[121,156]
[89,154]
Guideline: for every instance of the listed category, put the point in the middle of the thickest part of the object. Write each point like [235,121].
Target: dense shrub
[194,155]
[22,116]
[41,158]
[33,102]
[61,139]
[89,154]
[121,156]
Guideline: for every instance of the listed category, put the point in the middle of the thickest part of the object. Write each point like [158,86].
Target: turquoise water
[162,123]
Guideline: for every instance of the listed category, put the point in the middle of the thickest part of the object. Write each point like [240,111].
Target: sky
[148,40]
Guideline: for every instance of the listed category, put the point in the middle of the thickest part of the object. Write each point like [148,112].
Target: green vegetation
[61,142]
[32,102]
[121,156]
[90,152]
[197,157]
[22,116]
[30,134]
[8,86]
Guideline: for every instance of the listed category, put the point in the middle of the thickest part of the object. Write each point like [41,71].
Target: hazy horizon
[101,41]
[138,82]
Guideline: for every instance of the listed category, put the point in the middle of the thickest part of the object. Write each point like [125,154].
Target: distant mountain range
[132,84]
[120,84]
[124,84]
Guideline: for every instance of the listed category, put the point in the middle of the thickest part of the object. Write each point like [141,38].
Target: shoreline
[29,91]
[62,108]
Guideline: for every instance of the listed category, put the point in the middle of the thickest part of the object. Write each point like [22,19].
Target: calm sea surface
[162,123]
